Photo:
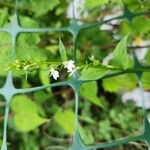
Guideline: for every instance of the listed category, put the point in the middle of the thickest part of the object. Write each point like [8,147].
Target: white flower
[54,73]
[69,65]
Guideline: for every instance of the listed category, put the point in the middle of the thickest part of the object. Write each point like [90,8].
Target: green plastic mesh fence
[9,90]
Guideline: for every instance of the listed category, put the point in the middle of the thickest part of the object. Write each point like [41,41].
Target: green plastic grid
[9,90]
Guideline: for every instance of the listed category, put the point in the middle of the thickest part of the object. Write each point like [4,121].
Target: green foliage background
[45,119]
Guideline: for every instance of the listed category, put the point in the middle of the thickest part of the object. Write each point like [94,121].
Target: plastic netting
[9,90]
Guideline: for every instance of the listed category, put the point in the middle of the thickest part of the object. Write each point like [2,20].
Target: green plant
[34,58]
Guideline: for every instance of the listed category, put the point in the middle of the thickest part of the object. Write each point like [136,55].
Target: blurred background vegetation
[108,109]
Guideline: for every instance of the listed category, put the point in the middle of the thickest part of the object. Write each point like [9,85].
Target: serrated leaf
[27,48]
[123,82]
[62,51]
[93,3]
[120,56]
[89,92]
[93,72]
[66,120]
[27,44]
[26,116]
[30,53]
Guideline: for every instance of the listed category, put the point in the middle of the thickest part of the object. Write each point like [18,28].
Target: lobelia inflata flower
[70,66]
[54,73]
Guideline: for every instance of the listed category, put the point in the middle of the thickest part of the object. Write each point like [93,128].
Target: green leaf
[93,72]
[147,57]
[125,28]
[41,7]
[41,97]
[28,39]
[3,16]
[62,51]
[53,49]
[105,129]
[89,92]
[5,46]
[123,82]
[29,142]
[45,79]
[28,22]
[140,25]
[146,80]
[0,142]
[86,135]
[133,5]
[93,3]
[66,120]
[27,48]
[27,44]
[26,116]
[30,53]
[120,56]
[87,119]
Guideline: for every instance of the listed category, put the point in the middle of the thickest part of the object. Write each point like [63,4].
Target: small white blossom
[54,73]
[69,65]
